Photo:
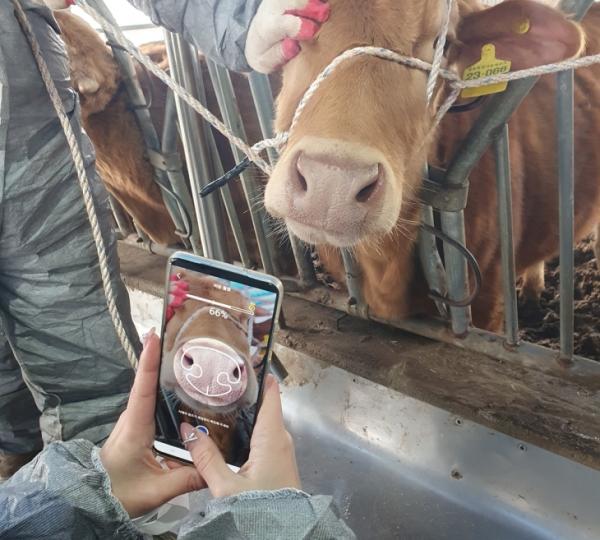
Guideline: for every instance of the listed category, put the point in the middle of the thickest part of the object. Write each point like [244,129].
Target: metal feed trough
[393,462]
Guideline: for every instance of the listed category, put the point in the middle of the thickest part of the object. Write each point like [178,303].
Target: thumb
[208,459]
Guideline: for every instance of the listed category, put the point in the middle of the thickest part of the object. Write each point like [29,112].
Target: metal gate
[201,223]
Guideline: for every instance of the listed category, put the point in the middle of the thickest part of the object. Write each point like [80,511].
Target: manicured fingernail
[146,337]
[315,10]
[188,434]
[290,48]
[308,29]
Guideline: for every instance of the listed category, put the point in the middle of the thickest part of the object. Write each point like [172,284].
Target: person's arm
[218,28]
[63,493]
[240,34]
[269,515]
[263,500]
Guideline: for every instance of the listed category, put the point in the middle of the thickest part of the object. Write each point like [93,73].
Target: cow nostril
[365,193]
[302,182]
[236,373]
[188,361]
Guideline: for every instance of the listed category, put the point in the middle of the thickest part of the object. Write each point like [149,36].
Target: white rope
[83,178]
[436,71]
[178,90]
[438,55]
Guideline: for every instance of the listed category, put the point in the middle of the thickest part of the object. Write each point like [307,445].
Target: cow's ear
[523,31]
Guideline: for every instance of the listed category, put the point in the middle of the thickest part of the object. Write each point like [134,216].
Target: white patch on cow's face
[334,192]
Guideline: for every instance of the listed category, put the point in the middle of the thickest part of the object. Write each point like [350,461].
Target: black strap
[226,178]
[471,261]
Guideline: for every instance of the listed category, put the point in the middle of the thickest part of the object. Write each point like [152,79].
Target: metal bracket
[436,194]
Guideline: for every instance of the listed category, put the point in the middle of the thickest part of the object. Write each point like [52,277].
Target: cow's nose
[356,181]
[332,192]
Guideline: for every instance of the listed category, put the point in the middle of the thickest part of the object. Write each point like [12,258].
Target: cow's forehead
[386,23]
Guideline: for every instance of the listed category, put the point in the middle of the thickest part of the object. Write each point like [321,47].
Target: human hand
[178,290]
[278,27]
[137,479]
[272,461]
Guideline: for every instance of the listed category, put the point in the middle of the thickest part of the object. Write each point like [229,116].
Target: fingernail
[188,434]
[146,337]
[308,29]
[290,48]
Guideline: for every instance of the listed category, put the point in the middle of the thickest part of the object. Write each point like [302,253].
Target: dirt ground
[541,324]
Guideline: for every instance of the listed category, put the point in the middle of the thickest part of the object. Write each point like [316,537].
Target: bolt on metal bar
[182,63]
[169,146]
[231,115]
[505,228]
[263,103]
[566,194]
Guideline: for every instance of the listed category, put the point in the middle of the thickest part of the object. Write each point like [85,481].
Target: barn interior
[424,428]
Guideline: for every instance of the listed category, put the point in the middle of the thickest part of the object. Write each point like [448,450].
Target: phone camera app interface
[215,343]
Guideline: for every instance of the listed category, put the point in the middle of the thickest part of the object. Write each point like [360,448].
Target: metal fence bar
[181,60]
[263,102]
[262,94]
[217,171]
[356,301]
[505,228]
[566,174]
[453,224]
[174,172]
[231,116]
[494,115]
[120,216]
[566,192]
[429,257]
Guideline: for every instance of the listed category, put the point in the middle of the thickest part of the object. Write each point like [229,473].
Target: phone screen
[216,337]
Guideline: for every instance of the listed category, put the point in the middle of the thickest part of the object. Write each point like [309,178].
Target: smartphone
[216,339]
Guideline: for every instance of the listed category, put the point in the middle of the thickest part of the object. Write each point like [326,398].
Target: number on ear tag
[488,65]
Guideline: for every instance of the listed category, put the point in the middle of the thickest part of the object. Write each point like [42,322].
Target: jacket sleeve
[218,28]
[269,515]
[63,493]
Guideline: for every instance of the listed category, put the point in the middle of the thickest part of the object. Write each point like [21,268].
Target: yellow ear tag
[488,65]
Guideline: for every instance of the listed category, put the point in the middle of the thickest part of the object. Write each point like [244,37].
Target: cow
[113,129]
[351,173]
[208,364]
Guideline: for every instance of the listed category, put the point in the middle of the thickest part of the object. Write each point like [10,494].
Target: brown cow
[351,173]
[113,129]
